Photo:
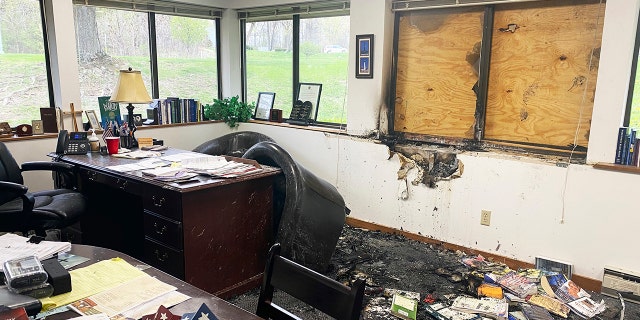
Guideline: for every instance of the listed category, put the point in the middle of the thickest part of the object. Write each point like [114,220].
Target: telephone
[72,143]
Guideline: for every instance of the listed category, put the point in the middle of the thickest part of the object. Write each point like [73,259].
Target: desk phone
[72,143]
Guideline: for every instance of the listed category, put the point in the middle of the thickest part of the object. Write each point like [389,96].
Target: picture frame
[364,56]
[264,105]
[93,119]
[310,92]
[37,126]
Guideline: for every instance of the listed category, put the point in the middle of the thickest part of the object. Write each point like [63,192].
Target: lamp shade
[130,88]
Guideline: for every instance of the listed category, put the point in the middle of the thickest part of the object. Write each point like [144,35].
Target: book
[518,285]
[49,120]
[622,134]
[404,307]
[109,111]
[632,141]
[532,312]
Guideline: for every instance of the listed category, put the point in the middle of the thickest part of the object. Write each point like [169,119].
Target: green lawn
[182,77]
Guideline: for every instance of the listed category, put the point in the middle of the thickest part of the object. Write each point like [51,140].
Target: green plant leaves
[230,110]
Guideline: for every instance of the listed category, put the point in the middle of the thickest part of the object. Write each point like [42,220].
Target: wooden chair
[321,292]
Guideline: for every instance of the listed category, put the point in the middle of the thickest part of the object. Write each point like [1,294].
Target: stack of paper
[489,307]
[15,246]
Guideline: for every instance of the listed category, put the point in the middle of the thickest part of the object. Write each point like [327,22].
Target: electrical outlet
[485,217]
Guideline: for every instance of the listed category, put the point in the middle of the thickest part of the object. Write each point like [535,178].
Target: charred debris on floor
[393,264]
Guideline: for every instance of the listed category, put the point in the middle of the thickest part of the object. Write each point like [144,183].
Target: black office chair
[232,144]
[324,294]
[23,211]
[309,212]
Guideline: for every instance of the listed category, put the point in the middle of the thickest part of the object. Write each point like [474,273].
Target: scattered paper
[15,246]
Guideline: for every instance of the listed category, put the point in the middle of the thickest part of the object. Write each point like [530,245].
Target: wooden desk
[214,233]
[222,309]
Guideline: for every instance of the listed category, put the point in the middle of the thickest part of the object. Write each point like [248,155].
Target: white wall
[577,214]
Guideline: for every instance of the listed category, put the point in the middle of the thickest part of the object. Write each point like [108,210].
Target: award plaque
[300,113]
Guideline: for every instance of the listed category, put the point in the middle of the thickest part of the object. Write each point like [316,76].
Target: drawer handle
[161,257]
[92,175]
[160,231]
[157,202]
[122,184]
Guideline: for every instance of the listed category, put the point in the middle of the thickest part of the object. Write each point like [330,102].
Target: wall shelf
[617,167]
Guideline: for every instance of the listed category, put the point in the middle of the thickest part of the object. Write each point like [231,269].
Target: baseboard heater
[627,283]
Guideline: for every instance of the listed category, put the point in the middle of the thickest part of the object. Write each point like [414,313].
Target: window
[507,74]
[109,40]
[269,61]
[307,44]
[632,115]
[324,58]
[25,84]
[176,53]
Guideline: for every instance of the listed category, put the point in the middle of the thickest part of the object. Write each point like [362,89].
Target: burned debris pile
[446,283]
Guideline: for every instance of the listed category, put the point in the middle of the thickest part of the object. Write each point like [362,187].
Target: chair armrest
[12,190]
[49,166]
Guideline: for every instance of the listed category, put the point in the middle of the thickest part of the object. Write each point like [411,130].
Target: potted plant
[230,110]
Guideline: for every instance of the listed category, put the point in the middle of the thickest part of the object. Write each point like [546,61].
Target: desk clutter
[186,166]
[107,289]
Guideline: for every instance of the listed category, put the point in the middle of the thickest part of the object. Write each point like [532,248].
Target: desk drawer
[164,258]
[162,229]
[162,202]
[123,184]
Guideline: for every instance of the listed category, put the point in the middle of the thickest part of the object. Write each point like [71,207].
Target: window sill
[617,167]
[342,130]
[10,138]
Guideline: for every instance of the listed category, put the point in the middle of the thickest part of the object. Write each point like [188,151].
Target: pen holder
[127,142]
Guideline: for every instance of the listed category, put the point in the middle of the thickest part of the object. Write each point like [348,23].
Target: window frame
[321,9]
[187,11]
[632,77]
[478,142]
[47,53]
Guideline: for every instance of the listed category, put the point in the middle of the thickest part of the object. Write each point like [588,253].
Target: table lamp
[130,89]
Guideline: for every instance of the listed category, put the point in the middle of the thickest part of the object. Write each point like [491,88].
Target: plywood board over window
[542,79]
[438,52]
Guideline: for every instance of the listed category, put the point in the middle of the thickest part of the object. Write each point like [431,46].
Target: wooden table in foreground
[222,309]
[211,233]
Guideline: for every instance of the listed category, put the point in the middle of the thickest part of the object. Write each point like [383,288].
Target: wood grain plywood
[543,71]
[436,52]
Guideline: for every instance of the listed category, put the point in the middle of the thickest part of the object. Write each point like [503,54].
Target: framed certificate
[93,119]
[264,105]
[37,126]
[310,92]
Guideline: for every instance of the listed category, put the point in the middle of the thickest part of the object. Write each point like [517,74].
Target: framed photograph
[264,105]
[93,119]
[364,56]
[37,126]
[310,92]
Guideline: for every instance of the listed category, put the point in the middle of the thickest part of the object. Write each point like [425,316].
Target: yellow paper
[93,279]
[145,142]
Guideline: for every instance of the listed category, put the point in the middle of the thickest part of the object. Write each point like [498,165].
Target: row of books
[627,147]
[176,110]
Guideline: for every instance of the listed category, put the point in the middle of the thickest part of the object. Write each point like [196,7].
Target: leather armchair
[23,211]
[309,211]
[232,144]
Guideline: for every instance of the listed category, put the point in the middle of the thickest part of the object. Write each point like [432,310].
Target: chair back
[321,292]
[9,168]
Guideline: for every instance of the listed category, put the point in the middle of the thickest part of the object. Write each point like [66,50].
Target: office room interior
[540,206]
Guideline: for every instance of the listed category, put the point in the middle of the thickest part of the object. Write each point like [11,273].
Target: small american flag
[108,132]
